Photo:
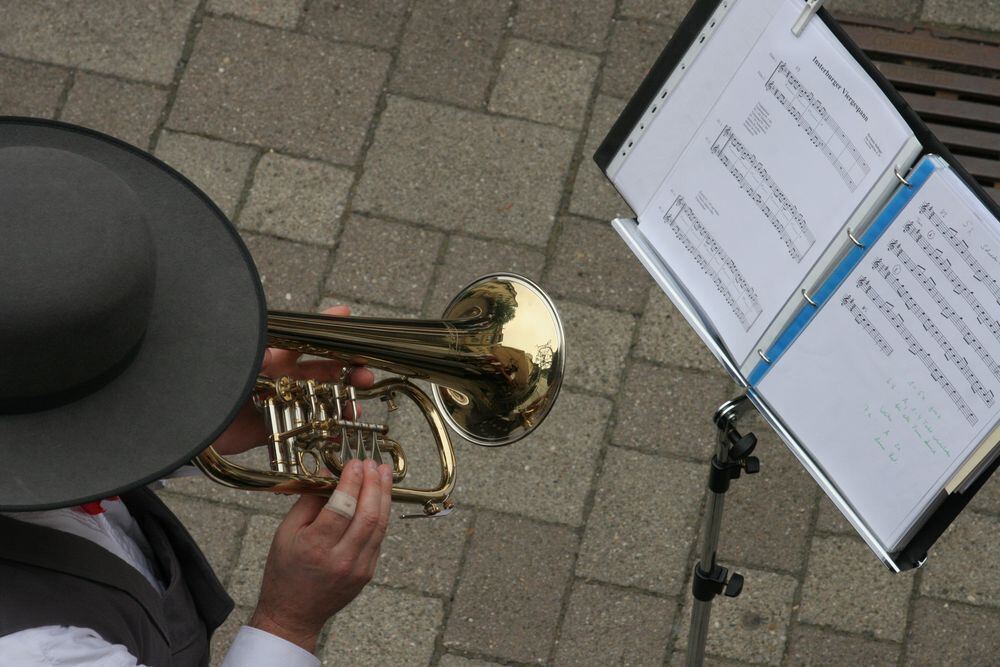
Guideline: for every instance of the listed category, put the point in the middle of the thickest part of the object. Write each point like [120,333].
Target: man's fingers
[374,544]
[333,521]
[276,358]
[304,511]
[361,377]
[369,512]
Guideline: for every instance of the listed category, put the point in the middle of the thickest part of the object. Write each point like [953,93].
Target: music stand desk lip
[628,229]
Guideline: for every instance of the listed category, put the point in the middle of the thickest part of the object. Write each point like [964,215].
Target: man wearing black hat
[132,329]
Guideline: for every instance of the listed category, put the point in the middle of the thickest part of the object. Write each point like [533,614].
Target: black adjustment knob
[734,586]
[751,464]
[741,447]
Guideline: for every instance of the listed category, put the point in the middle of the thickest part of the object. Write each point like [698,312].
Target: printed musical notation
[962,248]
[927,282]
[752,177]
[822,130]
[713,260]
[866,324]
[917,350]
[950,353]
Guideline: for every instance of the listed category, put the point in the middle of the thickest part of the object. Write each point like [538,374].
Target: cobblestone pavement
[382,153]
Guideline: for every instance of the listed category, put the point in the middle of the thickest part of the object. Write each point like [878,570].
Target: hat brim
[193,370]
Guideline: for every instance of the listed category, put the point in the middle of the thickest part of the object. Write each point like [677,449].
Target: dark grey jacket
[48,577]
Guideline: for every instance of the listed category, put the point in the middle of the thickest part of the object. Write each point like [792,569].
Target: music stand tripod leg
[732,458]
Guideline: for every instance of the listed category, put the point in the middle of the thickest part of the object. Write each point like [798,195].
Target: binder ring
[763,356]
[902,180]
[853,239]
[805,295]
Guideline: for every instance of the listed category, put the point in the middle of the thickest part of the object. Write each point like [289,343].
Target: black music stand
[732,458]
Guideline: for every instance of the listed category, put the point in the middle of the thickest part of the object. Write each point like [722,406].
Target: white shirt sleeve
[254,647]
[61,646]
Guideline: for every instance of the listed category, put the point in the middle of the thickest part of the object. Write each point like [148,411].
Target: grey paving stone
[423,554]
[362,309]
[666,410]
[452,169]
[544,83]
[592,264]
[218,168]
[546,476]
[448,49]
[449,660]
[636,492]
[678,659]
[597,341]
[566,22]
[988,497]
[633,49]
[384,626]
[382,261]
[753,626]
[955,567]
[816,646]
[216,528]
[301,200]
[279,13]
[847,588]
[224,635]
[906,10]
[593,194]
[467,259]
[129,111]
[291,92]
[109,36]
[943,633]
[605,626]
[830,519]
[670,12]
[979,15]
[243,581]
[768,515]
[665,336]
[507,603]
[376,23]
[290,272]
[29,89]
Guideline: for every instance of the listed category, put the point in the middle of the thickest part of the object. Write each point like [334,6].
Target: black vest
[49,577]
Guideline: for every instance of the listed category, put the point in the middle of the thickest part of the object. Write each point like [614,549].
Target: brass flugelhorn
[495,362]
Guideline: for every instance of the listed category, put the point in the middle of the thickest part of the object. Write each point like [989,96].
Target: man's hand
[248,430]
[320,560]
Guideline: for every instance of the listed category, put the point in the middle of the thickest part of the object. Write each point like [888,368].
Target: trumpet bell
[521,344]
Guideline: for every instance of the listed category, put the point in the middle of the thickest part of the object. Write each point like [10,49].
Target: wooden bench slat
[937,79]
[929,107]
[981,167]
[963,137]
[924,46]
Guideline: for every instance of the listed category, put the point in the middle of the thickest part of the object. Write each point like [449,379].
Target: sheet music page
[896,379]
[793,145]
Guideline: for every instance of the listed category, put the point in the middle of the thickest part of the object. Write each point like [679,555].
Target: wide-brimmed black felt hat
[132,319]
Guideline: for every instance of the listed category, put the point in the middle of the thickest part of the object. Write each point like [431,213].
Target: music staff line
[831,140]
[950,353]
[916,349]
[746,307]
[962,248]
[866,324]
[757,183]
[930,286]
